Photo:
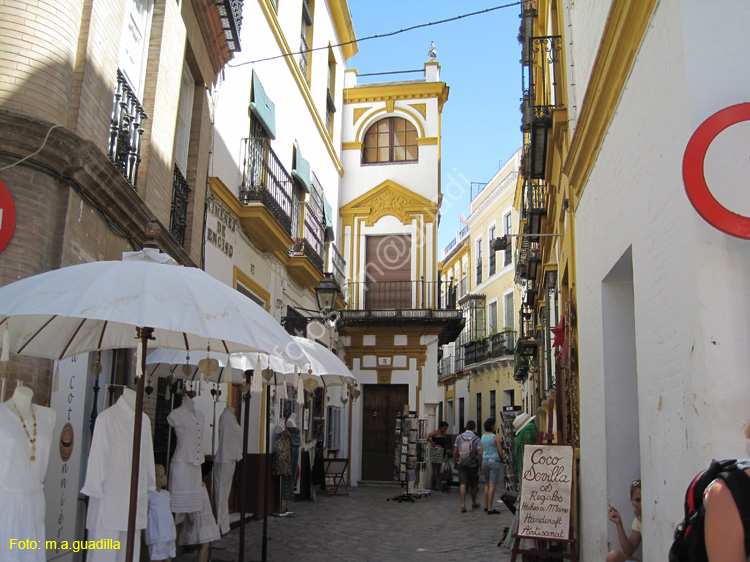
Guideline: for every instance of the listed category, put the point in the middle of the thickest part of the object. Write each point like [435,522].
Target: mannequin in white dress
[228,453]
[26,434]
[189,495]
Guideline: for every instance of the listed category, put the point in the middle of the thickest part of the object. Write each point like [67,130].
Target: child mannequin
[160,532]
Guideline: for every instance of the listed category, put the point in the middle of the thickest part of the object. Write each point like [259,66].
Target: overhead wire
[381,35]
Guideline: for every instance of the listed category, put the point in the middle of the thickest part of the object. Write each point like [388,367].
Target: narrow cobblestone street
[365,526]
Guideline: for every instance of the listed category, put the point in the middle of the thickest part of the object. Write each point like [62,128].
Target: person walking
[438,439]
[492,464]
[467,454]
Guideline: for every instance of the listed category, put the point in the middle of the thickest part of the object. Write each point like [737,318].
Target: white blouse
[189,429]
[109,467]
[230,438]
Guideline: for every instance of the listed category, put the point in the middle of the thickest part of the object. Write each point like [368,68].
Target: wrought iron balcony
[303,54]
[314,248]
[542,79]
[401,302]
[178,214]
[451,364]
[529,256]
[462,288]
[230,14]
[339,266]
[527,343]
[126,129]
[267,182]
[534,204]
[501,344]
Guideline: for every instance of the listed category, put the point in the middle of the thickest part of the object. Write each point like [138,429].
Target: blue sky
[479,59]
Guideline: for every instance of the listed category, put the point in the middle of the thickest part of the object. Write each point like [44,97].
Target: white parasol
[323,362]
[97,305]
[146,296]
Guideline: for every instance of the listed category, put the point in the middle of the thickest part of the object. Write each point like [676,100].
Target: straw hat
[521,420]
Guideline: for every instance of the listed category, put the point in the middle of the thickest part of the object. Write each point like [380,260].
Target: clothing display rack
[508,439]
[410,457]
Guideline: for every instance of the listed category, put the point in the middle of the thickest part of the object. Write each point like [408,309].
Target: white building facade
[662,291]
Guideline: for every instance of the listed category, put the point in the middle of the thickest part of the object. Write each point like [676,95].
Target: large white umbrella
[97,305]
[323,362]
[117,304]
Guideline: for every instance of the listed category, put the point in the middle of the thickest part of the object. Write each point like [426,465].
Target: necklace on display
[31,440]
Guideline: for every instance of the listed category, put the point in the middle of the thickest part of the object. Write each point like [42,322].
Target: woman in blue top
[492,464]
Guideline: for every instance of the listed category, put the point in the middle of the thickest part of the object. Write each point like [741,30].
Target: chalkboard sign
[546,484]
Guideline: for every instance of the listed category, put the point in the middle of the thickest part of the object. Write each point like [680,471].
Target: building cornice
[405,91]
[342,20]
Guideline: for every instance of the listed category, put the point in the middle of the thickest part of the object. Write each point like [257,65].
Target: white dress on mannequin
[185,468]
[22,504]
[108,479]
[227,455]
[189,495]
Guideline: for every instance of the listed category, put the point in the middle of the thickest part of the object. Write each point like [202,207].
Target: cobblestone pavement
[366,526]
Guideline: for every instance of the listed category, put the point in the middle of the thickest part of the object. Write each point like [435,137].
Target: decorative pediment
[390,198]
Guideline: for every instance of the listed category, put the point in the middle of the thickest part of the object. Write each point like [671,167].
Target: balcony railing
[497,345]
[314,248]
[230,14]
[542,82]
[545,75]
[266,181]
[462,288]
[527,340]
[339,265]
[398,295]
[178,214]
[460,236]
[126,129]
[303,54]
[452,363]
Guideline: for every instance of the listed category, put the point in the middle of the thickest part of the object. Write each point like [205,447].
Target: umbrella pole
[265,478]
[246,416]
[144,334]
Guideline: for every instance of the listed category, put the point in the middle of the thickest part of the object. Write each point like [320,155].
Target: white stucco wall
[689,281]
[294,119]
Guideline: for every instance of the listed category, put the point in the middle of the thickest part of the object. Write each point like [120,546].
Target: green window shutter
[262,107]
[301,171]
[329,219]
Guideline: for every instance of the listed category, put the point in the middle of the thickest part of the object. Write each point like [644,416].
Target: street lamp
[327,291]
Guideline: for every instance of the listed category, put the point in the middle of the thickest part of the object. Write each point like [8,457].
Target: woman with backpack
[725,533]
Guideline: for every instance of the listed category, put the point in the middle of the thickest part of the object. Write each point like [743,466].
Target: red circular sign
[695,181]
[7,216]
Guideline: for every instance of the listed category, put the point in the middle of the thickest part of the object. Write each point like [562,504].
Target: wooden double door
[381,404]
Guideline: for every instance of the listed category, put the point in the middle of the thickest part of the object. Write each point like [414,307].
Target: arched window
[393,139]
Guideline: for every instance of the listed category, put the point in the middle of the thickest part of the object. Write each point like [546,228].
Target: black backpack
[689,540]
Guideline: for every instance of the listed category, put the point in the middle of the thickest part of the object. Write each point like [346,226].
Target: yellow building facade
[546,349]
[476,371]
